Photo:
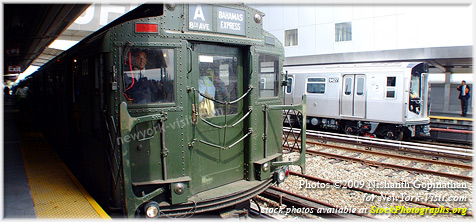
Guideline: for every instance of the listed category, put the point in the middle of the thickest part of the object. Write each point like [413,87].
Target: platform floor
[37,184]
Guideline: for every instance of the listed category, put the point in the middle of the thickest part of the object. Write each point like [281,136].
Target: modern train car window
[348,86]
[360,86]
[289,87]
[391,83]
[269,71]
[149,75]
[316,85]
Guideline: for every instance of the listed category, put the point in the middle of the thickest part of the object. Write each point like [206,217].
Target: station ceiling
[30,28]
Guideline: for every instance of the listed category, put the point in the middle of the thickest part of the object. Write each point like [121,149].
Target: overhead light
[62,44]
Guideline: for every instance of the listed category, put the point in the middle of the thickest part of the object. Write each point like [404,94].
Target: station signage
[219,19]
[14,69]
[13,52]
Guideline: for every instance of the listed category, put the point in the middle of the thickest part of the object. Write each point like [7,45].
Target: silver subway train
[385,100]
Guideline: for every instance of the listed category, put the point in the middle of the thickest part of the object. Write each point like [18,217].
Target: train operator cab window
[268,75]
[316,85]
[391,83]
[415,90]
[415,86]
[148,75]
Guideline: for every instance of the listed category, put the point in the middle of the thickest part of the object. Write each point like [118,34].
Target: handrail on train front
[301,108]
[196,113]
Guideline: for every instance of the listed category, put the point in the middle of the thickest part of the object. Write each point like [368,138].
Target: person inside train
[221,92]
[206,107]
[464,94]
[141,86]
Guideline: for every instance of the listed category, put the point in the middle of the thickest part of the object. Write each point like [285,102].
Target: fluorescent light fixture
[28,71]
[62,44]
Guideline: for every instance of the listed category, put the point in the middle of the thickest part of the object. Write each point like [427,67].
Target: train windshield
[415,91]
[148,75]
[415,85]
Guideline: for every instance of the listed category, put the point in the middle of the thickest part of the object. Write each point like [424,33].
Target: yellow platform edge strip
[100,212]
[450,118]
[85,193]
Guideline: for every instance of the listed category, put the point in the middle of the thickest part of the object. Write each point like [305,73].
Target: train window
[360,86]
[149,75]
[415,87]
[269,71]
[218,80]
[348,86]
[390,93]
[289,87]
[391,83]
[316,85]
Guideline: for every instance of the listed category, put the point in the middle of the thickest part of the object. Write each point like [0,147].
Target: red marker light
[146,28]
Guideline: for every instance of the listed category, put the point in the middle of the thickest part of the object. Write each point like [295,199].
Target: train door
[353,97]
[218,152]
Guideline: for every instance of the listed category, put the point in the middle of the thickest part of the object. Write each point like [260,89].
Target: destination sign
[224,20]
[200,17]
[231,21]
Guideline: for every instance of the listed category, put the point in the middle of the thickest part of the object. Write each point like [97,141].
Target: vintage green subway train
[169,110]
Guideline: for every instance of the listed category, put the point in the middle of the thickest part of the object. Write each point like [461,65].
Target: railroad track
[355,155]
[410,147]
[410,167]
[360,189]
[296,203]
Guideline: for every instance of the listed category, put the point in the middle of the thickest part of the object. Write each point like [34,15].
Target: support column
[446,92]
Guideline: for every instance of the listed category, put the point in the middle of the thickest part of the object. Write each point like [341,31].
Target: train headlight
[265,167]
[152,209]
[281,174]
[258,18]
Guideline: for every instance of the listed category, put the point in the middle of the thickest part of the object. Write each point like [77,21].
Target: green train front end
[190,100]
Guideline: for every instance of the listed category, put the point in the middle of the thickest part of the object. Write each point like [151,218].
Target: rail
[393,143]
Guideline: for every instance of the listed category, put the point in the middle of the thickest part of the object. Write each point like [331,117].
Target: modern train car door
[353,97]
[218,153]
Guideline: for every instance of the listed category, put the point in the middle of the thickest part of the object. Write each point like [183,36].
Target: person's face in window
[141,59]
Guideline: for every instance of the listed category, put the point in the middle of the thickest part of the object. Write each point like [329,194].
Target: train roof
[393,66]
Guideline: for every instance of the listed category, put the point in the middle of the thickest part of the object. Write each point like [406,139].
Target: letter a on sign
[199,13]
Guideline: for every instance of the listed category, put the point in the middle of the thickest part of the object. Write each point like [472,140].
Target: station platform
[37,184]
[451,116]
[452,127]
